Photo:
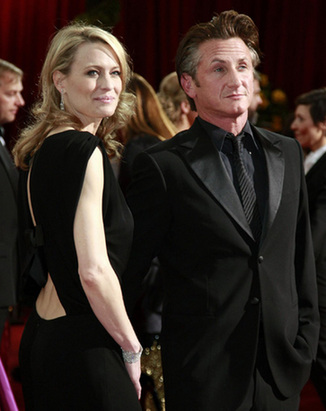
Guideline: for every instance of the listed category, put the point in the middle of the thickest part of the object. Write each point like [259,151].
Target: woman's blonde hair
[171,95]
[47,114]
[149,116]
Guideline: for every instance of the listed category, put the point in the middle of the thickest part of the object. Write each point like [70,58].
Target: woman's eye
[92,73]
[116,73]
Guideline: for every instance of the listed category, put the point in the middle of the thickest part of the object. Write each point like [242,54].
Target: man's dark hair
[228,24]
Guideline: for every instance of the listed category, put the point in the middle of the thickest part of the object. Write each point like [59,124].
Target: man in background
[10,101]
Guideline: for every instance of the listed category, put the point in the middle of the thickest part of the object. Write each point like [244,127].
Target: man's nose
[234,77]
[20,101]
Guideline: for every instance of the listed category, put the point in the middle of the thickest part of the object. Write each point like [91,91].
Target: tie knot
[236,141]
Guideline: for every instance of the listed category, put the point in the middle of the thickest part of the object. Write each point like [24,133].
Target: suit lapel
[203,158]
[271,144]
[205,161]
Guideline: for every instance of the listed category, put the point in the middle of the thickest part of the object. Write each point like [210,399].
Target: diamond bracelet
[131,357]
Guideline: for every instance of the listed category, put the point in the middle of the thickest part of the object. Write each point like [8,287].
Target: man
[309,127]
[240,316]
[10,101]
[256,100]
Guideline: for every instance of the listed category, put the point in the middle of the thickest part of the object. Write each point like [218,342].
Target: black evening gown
[71,362]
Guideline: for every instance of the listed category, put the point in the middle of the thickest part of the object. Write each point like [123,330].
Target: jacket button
[260,259]
[254,301]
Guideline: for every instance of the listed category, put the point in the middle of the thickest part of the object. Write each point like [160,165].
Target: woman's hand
[134,372]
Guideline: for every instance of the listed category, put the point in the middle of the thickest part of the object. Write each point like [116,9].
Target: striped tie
[247,190]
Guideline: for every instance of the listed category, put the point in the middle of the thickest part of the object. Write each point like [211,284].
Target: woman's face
[92,88]
[308,134]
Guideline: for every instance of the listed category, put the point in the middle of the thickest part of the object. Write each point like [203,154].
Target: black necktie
[247,190]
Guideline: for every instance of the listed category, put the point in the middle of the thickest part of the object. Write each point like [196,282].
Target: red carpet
[9,355]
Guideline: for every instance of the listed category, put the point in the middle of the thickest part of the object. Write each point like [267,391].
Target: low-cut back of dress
[71,362]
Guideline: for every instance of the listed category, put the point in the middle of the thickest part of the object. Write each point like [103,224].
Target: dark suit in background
[316,186]
[9,265]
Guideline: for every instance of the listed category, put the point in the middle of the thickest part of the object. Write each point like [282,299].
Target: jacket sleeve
[305,273]
[148,202]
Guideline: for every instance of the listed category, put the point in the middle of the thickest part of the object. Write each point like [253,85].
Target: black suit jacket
[219,285]
[9,265]
[316,186]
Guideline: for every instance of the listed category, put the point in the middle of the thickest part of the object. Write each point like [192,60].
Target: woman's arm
[99,281]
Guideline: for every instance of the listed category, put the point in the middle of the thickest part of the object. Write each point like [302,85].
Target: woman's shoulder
[71,144]
[72,137]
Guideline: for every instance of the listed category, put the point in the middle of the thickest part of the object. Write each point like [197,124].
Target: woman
[309,127]
[70,354]
[175,102]
[148,126]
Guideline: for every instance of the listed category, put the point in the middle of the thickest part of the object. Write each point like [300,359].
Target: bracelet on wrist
[130,357]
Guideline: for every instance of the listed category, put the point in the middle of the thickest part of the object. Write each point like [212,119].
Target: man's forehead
[224,47]
[7,77]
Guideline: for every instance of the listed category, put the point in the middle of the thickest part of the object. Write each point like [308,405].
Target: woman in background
[70,353]
[148,126]
[175,102]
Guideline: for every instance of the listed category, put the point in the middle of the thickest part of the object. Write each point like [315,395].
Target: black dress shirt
[253,156]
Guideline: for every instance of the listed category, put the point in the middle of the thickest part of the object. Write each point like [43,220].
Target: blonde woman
[175,102]
[79,350]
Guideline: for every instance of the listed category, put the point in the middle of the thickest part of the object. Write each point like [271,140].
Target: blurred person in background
[148,126]
[175,103]
[11,99]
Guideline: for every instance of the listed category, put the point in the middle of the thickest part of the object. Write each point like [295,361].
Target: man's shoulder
[185,137]
[274,137]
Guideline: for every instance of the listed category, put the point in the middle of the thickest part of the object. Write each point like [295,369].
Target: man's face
[10,97]
[223,87]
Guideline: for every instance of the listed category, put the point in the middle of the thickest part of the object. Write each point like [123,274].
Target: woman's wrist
[131,357]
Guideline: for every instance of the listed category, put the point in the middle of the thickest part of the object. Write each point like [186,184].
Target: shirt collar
[217,134]
[312,158]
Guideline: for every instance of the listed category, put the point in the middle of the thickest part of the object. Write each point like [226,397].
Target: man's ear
[58,78]
[187,84]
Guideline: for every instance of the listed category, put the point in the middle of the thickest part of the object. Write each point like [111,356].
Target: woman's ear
[185,107]
[322,126]
[58,78]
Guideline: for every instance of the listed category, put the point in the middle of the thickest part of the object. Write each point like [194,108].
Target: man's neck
[233,125]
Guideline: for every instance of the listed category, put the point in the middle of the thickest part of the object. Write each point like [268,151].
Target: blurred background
[292,40]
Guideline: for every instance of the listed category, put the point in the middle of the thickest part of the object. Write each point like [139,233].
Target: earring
[62,104]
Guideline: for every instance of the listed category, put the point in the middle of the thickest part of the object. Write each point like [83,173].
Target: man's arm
[148,201]
[305,272]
